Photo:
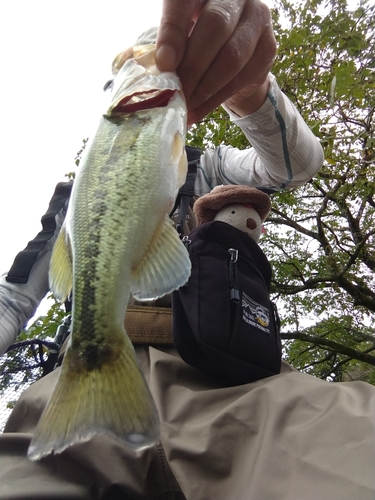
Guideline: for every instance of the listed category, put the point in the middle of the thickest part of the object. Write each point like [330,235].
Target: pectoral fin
[164,268]
[60,271]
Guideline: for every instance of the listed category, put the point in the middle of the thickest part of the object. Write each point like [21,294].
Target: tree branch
[331,345]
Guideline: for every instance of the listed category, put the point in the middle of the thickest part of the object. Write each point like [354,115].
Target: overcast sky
[55,59]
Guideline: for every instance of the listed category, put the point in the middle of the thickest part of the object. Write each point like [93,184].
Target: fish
[117,240]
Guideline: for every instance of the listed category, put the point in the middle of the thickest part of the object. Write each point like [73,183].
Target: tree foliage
[320,237]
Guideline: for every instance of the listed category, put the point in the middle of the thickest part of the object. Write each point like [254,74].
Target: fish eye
[108,85]
[233,211]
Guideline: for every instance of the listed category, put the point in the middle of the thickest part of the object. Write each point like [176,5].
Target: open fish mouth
[143,100]
[138,83]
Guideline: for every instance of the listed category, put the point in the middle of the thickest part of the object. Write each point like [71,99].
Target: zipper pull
[186,241]
[234,293]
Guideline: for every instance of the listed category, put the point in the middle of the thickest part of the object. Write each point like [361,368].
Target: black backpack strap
[24,261]
[186,191]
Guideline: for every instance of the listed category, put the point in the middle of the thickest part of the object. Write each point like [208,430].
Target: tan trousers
[287,437]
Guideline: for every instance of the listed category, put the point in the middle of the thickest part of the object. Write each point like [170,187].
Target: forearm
[285,152]
[18,302]
[288,151]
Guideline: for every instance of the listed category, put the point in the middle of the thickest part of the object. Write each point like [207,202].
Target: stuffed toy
[243,207]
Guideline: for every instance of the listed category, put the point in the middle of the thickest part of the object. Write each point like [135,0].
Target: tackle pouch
[224,322]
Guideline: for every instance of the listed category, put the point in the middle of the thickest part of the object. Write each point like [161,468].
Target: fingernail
[166,58]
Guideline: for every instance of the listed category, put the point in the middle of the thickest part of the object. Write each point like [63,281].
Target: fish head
[140,87]
[138,83]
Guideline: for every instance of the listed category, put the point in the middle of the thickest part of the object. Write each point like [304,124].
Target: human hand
[226,57]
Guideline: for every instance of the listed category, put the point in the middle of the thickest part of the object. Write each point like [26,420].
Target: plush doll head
[240,206]
[243,217]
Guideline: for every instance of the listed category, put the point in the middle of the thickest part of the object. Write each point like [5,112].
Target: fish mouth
[143,100]
[138,83]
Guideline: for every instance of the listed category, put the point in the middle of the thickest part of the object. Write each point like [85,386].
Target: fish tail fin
[113,399]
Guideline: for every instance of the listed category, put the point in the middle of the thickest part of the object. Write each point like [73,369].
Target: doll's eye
[233,211]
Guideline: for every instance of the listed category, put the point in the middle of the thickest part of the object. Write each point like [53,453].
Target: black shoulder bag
[224,323]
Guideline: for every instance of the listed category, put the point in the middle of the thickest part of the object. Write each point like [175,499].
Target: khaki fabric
[290,436]
[98,469]
[287,437]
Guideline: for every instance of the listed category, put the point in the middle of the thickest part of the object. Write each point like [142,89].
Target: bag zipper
[234,293]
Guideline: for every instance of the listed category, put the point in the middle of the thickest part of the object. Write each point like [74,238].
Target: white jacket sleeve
[18,302]
[284,152]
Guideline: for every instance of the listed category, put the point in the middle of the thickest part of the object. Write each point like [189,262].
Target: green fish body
[117,240]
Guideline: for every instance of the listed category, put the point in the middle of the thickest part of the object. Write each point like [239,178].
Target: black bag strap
[24,261]
[186,191]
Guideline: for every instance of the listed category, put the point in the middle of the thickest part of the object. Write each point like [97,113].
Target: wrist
[245,105]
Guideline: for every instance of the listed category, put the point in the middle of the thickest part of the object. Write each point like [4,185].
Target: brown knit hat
[207,206]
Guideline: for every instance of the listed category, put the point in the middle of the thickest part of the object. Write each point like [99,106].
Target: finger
[252,76]
[252,46]
[174,29]
[214,27]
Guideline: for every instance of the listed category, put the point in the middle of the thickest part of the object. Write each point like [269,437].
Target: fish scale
[117,239]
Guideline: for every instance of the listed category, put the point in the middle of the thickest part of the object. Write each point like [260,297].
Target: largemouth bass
[117,240]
